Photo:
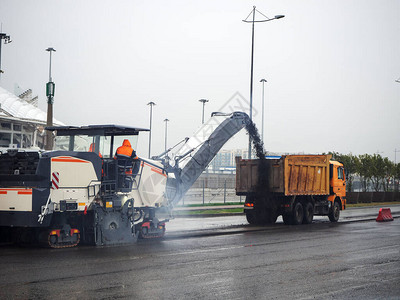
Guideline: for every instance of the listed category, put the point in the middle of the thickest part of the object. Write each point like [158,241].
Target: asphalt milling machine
[79,193]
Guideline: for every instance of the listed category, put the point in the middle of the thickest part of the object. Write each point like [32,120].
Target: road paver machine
[80,192]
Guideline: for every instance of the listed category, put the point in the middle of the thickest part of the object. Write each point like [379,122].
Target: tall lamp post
[7,40]
[204,103]
[262,122]
[151,103]
[166,131]
[50,89]
[253,13]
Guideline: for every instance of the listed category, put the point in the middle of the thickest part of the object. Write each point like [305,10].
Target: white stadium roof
[12,106]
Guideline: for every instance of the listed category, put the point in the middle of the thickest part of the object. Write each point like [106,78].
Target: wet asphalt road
[355,260]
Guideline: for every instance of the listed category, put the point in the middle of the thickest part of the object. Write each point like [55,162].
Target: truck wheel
[298,213]
[266,212]
[251,217]
[308,213]
[334,213]
[287,219]
[261,215]
[271,217]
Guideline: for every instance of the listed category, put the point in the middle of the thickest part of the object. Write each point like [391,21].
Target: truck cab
[337,183]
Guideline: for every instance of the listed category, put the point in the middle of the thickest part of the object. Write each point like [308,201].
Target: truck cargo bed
[289,175]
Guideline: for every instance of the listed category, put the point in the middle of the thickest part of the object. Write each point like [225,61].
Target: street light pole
[251,76]
[50,89]
[166,131]
[204,103]
[151,103]
[262,122]
[253,12]
[7,40]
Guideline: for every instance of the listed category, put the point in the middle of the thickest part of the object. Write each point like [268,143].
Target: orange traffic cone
[384,215]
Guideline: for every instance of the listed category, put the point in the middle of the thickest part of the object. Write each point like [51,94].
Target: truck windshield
[340,173]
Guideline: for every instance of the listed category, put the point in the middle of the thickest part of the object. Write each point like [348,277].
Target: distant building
[224,161]
[21,121]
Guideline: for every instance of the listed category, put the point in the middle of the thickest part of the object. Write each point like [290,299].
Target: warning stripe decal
[25,193]
[19,191]
[68,159]
[158,172]
[155,169]
[55,180]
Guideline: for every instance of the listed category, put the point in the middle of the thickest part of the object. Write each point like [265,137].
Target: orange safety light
[55,232]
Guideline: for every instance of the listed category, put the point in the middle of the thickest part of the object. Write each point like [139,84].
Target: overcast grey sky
[331,67]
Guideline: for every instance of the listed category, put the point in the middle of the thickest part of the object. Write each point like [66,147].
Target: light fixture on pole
[50,89]
[7,40]
[398,80]
[204,103]
[151,103]
[166,131]
[262,114]
[253,12]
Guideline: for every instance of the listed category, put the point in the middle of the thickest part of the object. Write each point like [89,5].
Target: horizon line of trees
[375,170]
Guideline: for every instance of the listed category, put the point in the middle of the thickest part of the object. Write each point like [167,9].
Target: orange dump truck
[294,186]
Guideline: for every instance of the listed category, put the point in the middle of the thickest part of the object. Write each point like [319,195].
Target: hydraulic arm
[198,151]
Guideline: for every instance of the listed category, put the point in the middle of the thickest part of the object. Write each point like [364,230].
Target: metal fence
[368,197]
[215,181]
[220,188]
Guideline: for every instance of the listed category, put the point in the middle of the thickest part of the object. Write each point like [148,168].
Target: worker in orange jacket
[91,149]
[126,160]
[125,151]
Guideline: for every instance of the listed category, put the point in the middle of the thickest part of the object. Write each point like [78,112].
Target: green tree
[397,176]
[364,170]
[389,173]
[377,169]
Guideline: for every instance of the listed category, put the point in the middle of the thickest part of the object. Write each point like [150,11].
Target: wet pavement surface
[197,225]
[219,258]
